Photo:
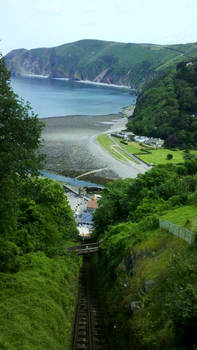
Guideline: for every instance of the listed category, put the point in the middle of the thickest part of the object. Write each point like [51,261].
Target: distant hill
[167,107]
[100,61]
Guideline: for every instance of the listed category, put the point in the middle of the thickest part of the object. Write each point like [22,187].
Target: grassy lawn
[132,147]
[184,216]
[106,143]
[157,156]
[125,155]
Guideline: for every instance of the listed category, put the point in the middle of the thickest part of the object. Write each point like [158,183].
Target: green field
[106,143]
[132,147]
[157,156]
[125,155]
[184,216]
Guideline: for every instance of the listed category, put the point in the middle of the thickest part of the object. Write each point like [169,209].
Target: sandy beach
[71,147]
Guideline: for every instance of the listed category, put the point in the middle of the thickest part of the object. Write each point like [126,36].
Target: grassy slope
[89,51]
[88,58]
[150,326]
[38,276]
[184,216]
[38,303]
[106,143]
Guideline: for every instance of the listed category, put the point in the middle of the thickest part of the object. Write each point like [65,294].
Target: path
[139,161]
[123,170]
[91,172]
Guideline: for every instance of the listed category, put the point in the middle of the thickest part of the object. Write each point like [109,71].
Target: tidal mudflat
[71,148]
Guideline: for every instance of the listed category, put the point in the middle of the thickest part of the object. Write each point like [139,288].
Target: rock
[122,266]
[135,305]
[148,285]
[131,260]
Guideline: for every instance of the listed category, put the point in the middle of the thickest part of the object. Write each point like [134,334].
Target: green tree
[169,156]
[167,107]
[20,132]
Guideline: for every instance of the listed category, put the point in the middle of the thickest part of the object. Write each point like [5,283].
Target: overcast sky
[46,23]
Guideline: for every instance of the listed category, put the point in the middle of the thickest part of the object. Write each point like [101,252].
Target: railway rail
[88,333]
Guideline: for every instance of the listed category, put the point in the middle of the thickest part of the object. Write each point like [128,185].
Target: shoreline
[88,82]
[72,147]
[116,115]
[102,84]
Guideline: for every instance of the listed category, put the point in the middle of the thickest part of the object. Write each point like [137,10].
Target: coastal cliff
[99,61]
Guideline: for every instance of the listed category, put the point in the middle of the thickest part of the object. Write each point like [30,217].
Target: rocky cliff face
[95,60]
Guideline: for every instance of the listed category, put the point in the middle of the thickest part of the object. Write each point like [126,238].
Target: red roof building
[93,203]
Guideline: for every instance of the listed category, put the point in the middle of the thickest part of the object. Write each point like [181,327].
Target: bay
[51,97]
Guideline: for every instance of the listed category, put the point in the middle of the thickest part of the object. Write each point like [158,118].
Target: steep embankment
[99,61]
[147,276]
[38,276]
[167,107]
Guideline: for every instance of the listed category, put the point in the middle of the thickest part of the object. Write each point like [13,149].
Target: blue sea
[51,97]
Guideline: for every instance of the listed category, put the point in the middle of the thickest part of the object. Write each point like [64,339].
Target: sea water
[53,97]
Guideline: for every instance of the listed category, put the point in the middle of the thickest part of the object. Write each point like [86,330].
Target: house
[151,141]
[128,133]
[92,204]
[141,139]
[155,142]
[86,219]
[123,135]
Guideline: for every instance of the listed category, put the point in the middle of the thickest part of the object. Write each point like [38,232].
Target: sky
[47,23]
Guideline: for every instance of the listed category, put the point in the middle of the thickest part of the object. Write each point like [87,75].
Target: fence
[178,231]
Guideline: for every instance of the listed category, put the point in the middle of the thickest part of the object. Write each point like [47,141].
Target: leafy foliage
[148,194]
[38,277]
[20,132]
[38,303]
[146,275]
[118,63]
[167,107]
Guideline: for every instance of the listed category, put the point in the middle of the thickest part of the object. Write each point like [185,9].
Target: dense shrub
[167,108]
[38,279]
[38,303]
[147,276]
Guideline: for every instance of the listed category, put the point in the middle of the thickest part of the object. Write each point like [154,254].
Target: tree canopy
[20,132]
[167,107]
[38,277]
[20,138]
[147,276]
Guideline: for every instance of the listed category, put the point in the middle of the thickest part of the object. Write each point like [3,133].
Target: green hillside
[38,276]
[102,61]
[147,276]
[167,107]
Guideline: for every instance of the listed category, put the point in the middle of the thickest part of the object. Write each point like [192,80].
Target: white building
[151,141]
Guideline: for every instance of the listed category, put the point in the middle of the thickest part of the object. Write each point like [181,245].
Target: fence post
[176,230]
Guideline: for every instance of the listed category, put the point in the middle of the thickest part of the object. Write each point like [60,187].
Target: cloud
[191,3]
[49,7]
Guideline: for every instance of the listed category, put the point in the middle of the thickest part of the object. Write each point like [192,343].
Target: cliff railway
[88,330]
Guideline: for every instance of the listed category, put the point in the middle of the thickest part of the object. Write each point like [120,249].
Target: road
[122,169]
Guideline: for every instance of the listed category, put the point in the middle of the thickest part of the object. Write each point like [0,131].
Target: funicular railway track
[88,330]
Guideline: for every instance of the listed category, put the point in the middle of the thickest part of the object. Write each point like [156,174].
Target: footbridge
[84,249]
